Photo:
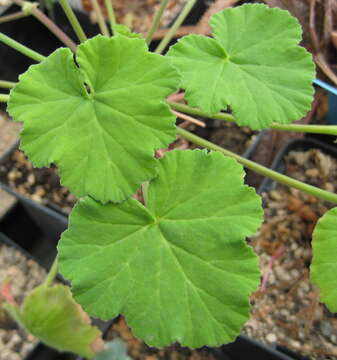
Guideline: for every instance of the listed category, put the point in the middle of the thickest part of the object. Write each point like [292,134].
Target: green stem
[197,112]
[111,14]
[52,273]
[156,21]
[14,16]
[73,20]
[313,129]
[4,98]
[100,18]
[170,34]
[283,179]
[302,128]
[21,48]
[7,84]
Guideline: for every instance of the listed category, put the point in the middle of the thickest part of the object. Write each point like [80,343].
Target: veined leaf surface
[253,65]
[180,269]
[100,121]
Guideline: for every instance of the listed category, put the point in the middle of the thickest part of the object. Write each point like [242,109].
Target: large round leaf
[180,269]
[100,118]
[323,268]
[252,64]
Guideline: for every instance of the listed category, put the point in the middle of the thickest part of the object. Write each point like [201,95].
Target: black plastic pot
[294,145]
[35,227]
[246,348]
[331,117]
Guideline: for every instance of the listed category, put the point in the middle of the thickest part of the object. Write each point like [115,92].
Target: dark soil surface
[23,275]
[225,134]
[286,309]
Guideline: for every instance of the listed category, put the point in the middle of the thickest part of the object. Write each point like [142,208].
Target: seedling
[178,266]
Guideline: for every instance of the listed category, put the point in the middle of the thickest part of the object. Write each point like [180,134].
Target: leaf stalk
[49,24]
[302,128]
[111,14]
[4,98]
[100,18]
[156,21]
[283,179]
[73,20]
[15,16]
[52,273]
[21,48]
[7,84]
[170,34]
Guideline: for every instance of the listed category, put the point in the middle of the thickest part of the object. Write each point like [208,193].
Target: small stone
[36,198]
[294,344]
[314,172]
[271,338]
[31,179]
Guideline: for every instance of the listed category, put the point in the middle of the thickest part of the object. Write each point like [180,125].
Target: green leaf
[179,270]
[124,30]
[323,268]
[102,141]
[252,65]
[52,315]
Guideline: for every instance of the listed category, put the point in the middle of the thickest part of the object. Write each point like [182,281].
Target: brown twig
[312,27]
[14,16]
[328,22]
[62,36]
[324,66]
[189,118]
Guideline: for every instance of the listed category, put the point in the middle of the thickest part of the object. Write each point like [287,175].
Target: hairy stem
[302,128]
[73,20]
[14,16]
[52,273]
[313,129]
[54,28]
[100,18]
[111,14]
[283,179]
[197,112]
[7,84]
[4,98]
[21,48]
[156,21]
[169,35]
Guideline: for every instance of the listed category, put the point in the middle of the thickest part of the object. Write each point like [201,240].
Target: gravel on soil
[286,309]
[23,274]
[39,184]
